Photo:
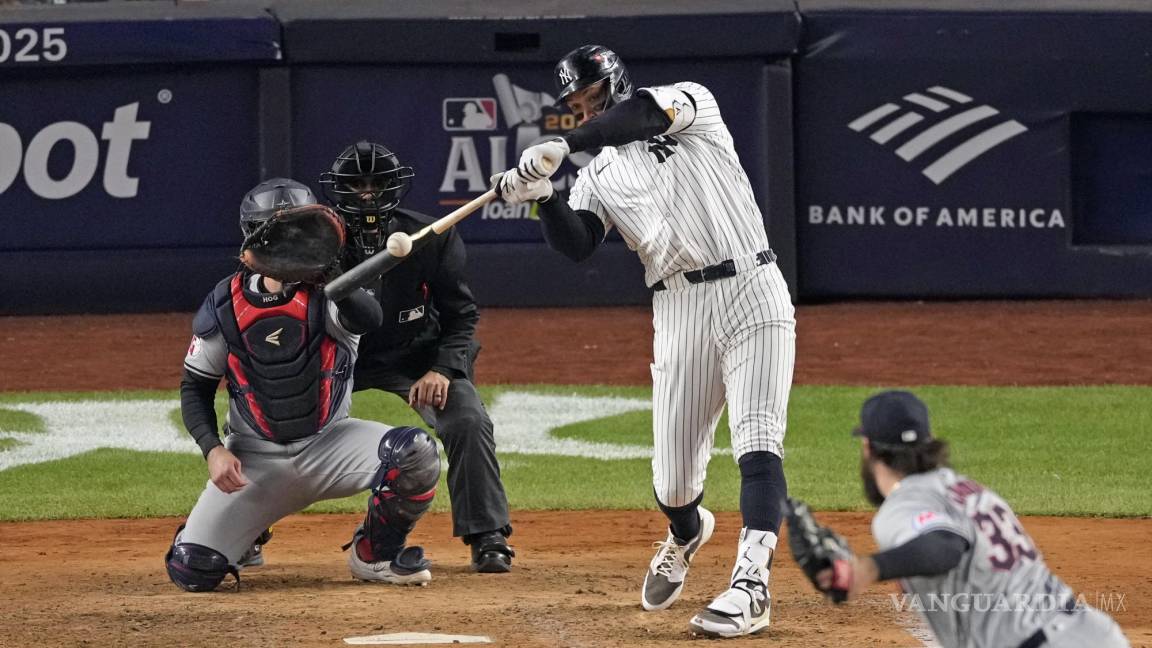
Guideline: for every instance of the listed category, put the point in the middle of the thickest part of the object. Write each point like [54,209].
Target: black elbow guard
[360,312]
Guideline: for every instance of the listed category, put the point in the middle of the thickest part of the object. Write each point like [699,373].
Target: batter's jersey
[681,200]
[1001,591]
[208,357]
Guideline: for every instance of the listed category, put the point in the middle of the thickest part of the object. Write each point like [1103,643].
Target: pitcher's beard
[871,490]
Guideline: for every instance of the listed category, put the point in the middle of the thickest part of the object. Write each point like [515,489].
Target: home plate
[412,638]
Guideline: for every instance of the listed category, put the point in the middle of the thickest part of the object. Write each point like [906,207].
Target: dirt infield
[915,343]
[577,575]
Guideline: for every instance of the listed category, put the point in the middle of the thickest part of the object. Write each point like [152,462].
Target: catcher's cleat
[254,557]
[665,578]
[409,567]
[491,553]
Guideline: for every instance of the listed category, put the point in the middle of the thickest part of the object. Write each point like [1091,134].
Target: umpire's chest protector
[286,375]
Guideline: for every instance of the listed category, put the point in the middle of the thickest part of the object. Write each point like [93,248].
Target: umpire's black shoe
[491,553]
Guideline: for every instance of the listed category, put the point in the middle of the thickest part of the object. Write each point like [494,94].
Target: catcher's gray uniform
[341,459]
[1002,594]
[288,357]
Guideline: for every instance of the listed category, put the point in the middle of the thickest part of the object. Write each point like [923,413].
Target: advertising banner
[458,125]
[139,33]
[934,156]
[117,160]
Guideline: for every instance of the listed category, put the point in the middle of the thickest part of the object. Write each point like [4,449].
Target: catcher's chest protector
[285,373]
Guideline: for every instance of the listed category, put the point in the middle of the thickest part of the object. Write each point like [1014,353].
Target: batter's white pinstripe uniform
[682,201]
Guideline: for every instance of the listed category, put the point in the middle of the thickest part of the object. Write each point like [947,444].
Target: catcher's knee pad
[196,568]
[406,484]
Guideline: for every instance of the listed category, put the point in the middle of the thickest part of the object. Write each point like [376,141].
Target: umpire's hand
[430,391]
[224,470]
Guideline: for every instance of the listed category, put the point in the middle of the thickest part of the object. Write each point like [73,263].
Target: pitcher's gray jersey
[1001,592]
[208,357]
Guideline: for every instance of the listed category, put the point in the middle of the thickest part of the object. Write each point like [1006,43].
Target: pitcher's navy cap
[894,418]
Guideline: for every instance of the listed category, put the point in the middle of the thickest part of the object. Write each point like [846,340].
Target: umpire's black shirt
[430,315]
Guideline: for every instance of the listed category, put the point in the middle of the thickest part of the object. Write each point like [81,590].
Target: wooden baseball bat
[367,270]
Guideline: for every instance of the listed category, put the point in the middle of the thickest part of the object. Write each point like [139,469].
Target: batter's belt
[722,270]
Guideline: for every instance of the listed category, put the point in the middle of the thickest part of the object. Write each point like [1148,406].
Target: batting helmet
[269,197]
[591,64]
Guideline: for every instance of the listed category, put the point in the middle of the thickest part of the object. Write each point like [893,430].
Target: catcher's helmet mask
[591,64]
[365,184]
[269,197]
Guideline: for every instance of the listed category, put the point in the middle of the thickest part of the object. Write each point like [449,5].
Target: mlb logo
[411,315]
[469,114]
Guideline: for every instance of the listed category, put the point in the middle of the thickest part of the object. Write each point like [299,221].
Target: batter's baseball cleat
[665,578]
[743,609]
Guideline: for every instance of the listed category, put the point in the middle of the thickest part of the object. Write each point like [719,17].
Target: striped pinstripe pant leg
[687,391]
[757,352]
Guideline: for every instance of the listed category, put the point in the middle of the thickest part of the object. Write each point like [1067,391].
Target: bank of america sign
[925,119]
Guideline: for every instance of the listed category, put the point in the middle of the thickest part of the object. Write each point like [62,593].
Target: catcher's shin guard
[409,471]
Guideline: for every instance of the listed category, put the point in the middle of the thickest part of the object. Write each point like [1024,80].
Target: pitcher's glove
[296,244]
[822,553]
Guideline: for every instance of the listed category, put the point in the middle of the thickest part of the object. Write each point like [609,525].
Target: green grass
[17,421]
[1058,451]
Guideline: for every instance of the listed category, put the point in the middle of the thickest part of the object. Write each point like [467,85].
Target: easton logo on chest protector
[274,337]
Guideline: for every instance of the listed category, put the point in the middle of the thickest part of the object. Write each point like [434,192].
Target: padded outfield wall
[895,151]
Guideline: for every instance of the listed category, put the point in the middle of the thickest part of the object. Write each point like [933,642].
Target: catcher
[955,545]
[287,355]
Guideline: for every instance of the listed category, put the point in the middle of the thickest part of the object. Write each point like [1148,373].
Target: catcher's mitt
[296,244]
[817,549]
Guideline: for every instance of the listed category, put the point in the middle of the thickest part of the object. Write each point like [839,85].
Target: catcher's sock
[364,551]
[684,520]
[762,490]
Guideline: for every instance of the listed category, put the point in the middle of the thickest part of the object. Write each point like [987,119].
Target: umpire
[426,348]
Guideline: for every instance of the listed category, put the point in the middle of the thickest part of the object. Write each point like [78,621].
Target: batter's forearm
[198,410]
[630,120]
[573,233]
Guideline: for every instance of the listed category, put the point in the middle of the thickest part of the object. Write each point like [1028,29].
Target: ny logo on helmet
[565,76]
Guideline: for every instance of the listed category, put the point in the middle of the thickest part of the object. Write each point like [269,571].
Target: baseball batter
[956,546]
[667,177]
[287,355]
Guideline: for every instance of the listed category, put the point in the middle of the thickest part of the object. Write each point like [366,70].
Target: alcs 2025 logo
[118,136]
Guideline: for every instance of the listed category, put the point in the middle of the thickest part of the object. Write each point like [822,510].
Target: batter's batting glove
[822,554]
[541,160]
[515,190]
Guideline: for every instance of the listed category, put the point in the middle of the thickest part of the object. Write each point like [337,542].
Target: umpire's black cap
[894,418]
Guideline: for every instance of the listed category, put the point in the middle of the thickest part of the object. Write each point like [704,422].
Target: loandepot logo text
[921,124]
[117,135]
